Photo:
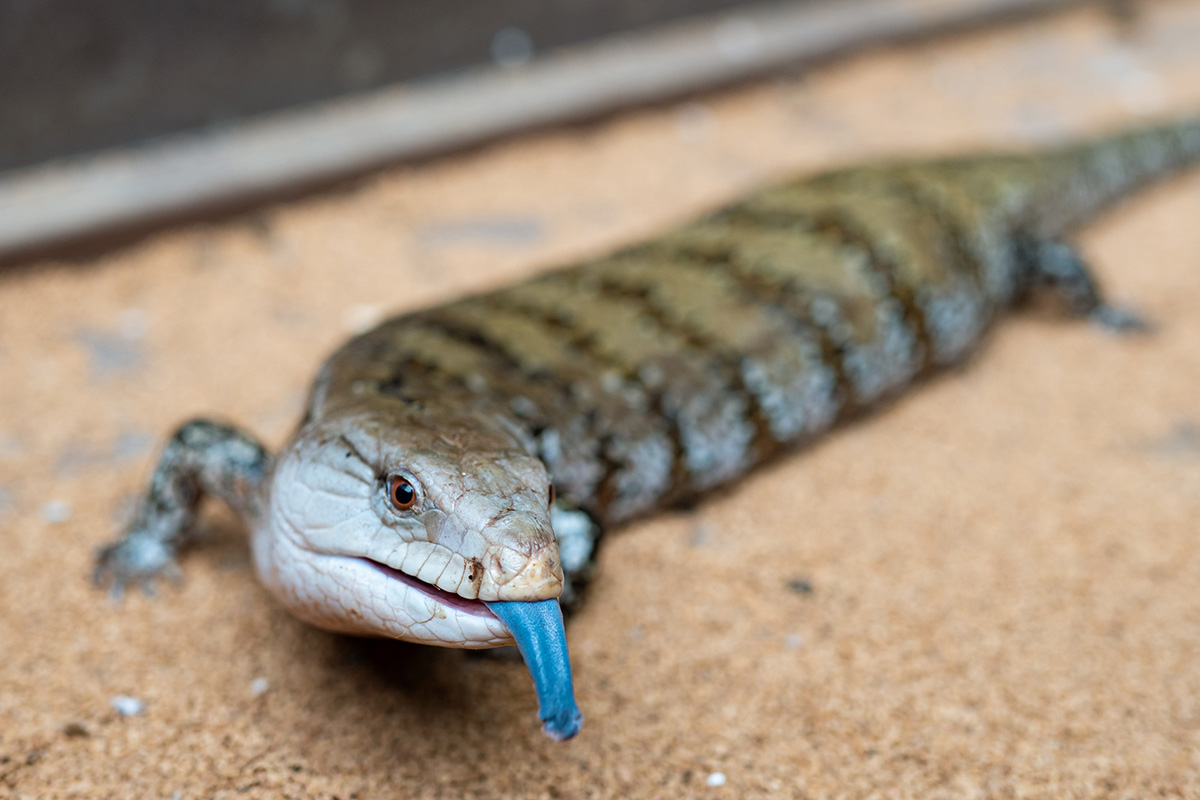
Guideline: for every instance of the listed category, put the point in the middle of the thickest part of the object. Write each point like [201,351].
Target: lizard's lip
[457,602]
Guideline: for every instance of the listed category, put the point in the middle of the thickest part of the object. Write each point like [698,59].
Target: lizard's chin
[457,602]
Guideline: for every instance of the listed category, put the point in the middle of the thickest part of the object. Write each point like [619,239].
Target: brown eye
[553,495]
[401,493]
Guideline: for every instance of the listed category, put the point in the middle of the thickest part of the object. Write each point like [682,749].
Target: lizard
[456,466]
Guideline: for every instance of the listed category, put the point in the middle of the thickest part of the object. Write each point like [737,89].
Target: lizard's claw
[140,558]
[1122,321]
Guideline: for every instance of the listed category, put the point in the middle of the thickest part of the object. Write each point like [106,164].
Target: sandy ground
[988,590]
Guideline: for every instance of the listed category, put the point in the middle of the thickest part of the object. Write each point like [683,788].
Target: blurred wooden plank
[49,205]
[80,77]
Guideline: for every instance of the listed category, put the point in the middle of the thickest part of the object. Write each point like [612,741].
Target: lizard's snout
[522,564]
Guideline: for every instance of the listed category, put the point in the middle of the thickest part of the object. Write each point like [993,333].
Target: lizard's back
[674,365]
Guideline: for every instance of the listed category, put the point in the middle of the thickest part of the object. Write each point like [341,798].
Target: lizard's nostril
[513,576]
[506,564]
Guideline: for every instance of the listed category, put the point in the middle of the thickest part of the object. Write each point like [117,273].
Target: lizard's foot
[1118,320]
[138,559]
[1057,266]
[202,458]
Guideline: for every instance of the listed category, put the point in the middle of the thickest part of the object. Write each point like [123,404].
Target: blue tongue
[538,629]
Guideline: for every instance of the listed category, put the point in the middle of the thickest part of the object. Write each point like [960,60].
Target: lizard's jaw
[457,602]
[362,597]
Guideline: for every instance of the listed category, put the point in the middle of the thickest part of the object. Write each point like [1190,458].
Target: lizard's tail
[1086,178]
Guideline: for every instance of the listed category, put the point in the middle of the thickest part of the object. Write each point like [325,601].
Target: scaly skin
[636,380]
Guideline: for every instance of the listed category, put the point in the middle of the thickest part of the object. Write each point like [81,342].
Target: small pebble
[1182,440]
[694,122]
[75,730]
[56,511]
[794,641]
[800,585]
[362,317]
[701,535]
[10,446]
[715,779]
[127,706]
[259,686]
[133,323]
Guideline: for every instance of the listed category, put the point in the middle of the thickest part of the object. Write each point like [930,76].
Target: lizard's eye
[401,493]
[553,495]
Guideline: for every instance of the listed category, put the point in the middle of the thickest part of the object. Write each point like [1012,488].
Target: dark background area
[84,75]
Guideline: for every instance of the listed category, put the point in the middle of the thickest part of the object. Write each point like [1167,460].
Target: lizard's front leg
[201,458]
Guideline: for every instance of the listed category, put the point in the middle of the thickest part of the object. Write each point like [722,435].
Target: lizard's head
[387,519]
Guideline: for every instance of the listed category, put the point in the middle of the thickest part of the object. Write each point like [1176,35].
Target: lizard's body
[634,381]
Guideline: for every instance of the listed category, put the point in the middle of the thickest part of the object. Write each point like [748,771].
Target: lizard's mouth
[455,601]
